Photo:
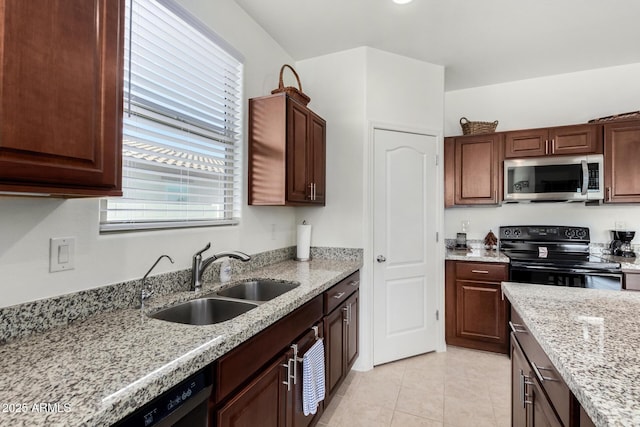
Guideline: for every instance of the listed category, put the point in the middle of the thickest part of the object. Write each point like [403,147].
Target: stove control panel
[544,233]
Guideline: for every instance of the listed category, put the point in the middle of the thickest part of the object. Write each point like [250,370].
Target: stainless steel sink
[258,290]
[204,311]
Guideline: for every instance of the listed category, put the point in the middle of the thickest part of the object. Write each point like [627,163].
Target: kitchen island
[592,338]
[96,371]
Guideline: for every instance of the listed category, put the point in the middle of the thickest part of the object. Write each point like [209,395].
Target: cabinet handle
[546,146]
[288,366]
[314,191]
[311,191]
[354,282]
[608,194]
[541,377]
[553,146]
[514,327]
[524,382]
[338,296]
[480,271]
[345,317]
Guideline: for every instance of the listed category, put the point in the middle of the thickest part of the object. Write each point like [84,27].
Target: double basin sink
[225,304]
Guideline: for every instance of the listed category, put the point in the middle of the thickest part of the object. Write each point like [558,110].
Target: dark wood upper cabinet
[622,162]
[287,143]
[472,170]
[563,140]
[61,105]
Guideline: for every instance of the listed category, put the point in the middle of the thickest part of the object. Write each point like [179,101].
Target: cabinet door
[335,340]
[294,410]
[621,162]
[526,143]
[261,402]
[542,413]
[519,385]
[317,162]
[477,171]
[579,139]
[299,152]
[351,350]
[480,311]
[61,105]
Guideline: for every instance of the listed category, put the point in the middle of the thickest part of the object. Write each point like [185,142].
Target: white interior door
[404,243]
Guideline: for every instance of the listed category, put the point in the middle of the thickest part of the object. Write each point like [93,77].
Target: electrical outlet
[465,225]
[62,253]
[620,225]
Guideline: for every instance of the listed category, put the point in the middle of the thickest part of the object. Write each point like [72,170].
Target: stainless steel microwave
[561,178]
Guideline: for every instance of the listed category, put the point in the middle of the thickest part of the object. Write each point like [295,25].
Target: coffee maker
[621,243]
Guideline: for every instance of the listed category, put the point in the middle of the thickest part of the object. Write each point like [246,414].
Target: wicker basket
[472,128]
[294,92]
[624,116]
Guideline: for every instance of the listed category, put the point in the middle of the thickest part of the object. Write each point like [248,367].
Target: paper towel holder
[308,252]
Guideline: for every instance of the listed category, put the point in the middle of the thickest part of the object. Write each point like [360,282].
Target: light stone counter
[592,337]
[97,371]
[476,254]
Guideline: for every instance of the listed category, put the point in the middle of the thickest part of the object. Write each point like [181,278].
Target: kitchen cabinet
[622,162]
[631,281]
[61,105]
[564,140]
[260,381]
[540,396]
[475,312]
[341,332]
[287,153]
[473,175]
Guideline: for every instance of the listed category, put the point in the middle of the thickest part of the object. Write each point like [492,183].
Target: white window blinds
[182,122]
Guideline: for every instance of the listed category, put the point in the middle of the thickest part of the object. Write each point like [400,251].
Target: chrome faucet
[200,265]
[146,291]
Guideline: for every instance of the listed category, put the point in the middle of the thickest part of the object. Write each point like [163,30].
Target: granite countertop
[476,254]
[627,264]
[592,337]
[97,371]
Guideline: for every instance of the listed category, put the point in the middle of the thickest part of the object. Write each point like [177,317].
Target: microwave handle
[585,177]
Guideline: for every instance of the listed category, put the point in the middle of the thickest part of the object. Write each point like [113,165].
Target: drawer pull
[516,328]
[354,282]
[541,377]
[480,271]
[524,382]
[338,296]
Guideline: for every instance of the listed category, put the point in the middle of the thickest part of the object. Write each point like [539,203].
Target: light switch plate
[61,253]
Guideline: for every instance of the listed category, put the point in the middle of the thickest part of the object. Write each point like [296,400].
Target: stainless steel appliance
[556,255]
[560,178]
[621,243]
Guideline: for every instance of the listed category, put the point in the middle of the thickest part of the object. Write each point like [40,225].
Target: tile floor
[456,388]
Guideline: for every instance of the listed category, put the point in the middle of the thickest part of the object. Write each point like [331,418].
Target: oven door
[572,277]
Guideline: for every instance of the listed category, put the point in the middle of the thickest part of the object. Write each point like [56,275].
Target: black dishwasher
[184,405]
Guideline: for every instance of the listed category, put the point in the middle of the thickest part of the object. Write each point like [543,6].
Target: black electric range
[556,255]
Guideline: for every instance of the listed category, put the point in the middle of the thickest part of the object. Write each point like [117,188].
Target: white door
[404,243]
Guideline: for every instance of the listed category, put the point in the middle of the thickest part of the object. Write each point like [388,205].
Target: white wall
[548,101]
[351,90]
[26,224]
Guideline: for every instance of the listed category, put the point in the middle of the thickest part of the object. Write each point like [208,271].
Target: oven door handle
[567,270]
[585,177]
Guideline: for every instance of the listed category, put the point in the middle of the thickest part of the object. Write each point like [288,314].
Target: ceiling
[478,42]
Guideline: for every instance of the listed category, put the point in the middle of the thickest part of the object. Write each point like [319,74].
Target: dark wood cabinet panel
[262,402]
[335,339]
[563,140]
[287,158]
[475,313]
[351,351]
[61,105]
[622,162]
[472,170]
[519,382]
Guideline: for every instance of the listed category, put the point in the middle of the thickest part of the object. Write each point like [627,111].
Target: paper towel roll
[304,242]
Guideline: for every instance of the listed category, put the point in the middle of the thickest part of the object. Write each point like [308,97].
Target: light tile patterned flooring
[456,388]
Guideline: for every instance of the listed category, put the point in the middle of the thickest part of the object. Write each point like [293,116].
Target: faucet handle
[199,253]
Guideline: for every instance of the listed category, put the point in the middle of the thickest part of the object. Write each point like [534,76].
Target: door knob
[381,258]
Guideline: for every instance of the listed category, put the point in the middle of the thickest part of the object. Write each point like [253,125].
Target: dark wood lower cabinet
[261,403]
[260,382]
[475,313]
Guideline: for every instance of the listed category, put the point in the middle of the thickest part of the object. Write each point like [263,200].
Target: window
[182,124]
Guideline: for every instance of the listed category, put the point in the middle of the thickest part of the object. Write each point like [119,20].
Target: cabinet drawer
[493,272]
[338,294]
[544,371]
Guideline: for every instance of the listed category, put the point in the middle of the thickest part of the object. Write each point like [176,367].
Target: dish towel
[313,378]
